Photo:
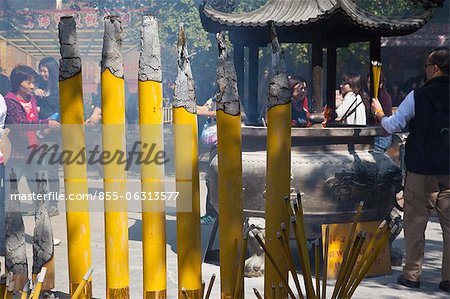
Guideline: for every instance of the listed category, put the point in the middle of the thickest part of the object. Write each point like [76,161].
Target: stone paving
[376,287]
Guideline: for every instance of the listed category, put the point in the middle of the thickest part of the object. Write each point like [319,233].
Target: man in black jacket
[427,185]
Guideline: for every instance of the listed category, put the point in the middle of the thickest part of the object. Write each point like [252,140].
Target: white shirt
[358,117]
[397,121]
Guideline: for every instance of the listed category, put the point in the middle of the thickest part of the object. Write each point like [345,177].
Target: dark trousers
[209,207]
[53,182]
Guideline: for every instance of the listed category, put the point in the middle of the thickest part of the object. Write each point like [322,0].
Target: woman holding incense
[352,111]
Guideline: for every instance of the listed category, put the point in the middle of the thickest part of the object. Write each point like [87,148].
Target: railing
[167,115]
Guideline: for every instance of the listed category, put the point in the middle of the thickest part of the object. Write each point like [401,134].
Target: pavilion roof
[332,16]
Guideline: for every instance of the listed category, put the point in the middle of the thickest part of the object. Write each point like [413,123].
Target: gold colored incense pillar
[152,175]
[10,286]
[81,286]
[75,175]
[2,285]
[187,177]
[230,172]
[38,283]
[278,171]
[113,121]
[24,292]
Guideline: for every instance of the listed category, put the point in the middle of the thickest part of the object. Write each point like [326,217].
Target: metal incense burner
[334,168]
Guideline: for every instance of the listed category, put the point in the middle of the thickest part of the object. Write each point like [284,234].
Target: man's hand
[201,110]
[53,124]
[376,105]
[40,92]
[377,109]
[95,117]
[204,111]
[339,98]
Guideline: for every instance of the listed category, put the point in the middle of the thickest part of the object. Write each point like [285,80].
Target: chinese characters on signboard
[84,19]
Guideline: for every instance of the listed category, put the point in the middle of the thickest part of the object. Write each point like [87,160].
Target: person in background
[352,111]
[22,110]
[47,96]
[299,101]
[2,178]
[396,93]
[420,80]
[96,115]
[427,182]
[22,105]
[131,107]
[47,91]
[5,84]
[382,143]
[402,93]
[209,137]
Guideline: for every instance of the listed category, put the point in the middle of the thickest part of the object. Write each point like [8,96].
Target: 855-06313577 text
[99,195]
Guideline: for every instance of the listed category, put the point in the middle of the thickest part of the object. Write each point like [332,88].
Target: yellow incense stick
[376,76]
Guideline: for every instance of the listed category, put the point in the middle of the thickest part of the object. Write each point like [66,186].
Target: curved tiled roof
[303,12]
[366,19]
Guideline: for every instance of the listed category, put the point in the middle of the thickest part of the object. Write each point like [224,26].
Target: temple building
[325,24]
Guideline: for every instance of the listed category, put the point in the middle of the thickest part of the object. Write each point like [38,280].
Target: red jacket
[16,114]
[24,135]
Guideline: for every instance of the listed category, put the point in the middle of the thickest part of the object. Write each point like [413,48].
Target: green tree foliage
[356,56]
[203,45]
[388,7]
[249,5]
[170,14]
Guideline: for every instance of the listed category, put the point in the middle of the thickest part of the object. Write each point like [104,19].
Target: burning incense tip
[184,95]
[150,57]
[228,97]
[70,63]
[112,46]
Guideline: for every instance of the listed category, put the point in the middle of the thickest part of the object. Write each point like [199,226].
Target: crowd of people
[32,98]
[352,108]
[352,102]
